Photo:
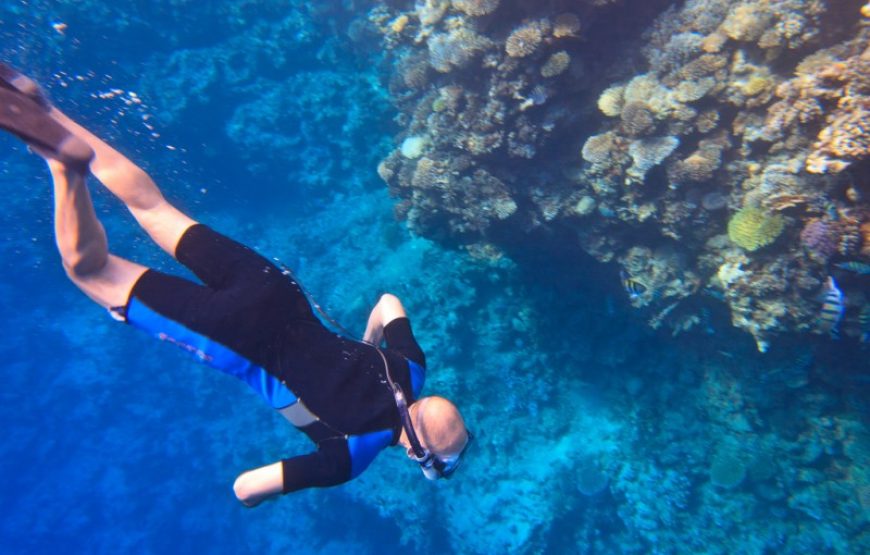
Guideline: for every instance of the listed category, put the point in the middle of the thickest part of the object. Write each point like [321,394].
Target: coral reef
[727,105]
[595,434]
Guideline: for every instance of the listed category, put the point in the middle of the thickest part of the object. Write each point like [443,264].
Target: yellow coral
[753,228]
[714,42]
[757,84]
[612,100]
[398,25]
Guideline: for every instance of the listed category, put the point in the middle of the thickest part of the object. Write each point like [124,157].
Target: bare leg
[81,240]
[135,188]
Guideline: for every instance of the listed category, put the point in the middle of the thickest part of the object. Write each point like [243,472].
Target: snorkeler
[248,318]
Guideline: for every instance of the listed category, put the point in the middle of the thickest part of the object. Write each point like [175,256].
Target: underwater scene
[633,237]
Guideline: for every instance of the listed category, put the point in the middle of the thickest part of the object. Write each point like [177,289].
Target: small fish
[633,287]
[860,268]
[864,322]
[832,308]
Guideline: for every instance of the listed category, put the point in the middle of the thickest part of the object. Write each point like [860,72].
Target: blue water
[595,434]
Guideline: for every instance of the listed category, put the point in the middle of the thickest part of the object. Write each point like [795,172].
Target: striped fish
[860,268]
[864,322]
[832,308]
[633,287]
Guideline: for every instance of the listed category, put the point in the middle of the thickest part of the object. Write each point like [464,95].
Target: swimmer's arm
[257,485]
[388,309]
[330,465]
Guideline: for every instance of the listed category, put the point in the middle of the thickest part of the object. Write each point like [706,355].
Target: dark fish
[864,322]
[633,287]
[860,268]
[832,308]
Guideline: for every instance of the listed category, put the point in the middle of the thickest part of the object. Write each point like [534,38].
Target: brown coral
[525,39]
[746,22]
[707,121]
[699,166]
[637,119]
[843,141]
[702,66]
[598,149]
[566,25]
[414,72]
[429,173]
[475,8]
[556,64]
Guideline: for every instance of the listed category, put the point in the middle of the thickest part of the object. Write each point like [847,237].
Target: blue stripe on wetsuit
[210,352]
[418,376]
[364,448]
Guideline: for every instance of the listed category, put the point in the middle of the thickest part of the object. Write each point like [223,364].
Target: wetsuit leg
[224,264]
[236,322]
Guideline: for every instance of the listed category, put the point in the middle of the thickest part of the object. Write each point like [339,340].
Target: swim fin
[24,112]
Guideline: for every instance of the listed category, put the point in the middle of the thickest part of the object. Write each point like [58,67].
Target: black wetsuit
[252,321]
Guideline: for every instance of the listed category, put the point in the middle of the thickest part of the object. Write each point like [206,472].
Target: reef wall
[718,155]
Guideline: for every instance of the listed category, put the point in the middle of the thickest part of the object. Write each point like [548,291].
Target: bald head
[439,426]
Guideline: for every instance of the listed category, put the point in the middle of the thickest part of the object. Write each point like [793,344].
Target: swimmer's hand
[257,485]
[385,311]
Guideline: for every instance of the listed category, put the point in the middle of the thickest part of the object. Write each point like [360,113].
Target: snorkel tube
[422,456]
[432,467]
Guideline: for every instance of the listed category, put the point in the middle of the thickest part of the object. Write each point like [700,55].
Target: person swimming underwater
[247,318]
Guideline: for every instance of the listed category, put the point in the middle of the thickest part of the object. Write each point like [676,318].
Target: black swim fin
[24,113]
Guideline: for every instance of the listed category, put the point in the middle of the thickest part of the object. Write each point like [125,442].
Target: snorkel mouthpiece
[429,471]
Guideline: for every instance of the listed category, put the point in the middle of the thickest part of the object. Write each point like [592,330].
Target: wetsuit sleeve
[400,338]
[328,466]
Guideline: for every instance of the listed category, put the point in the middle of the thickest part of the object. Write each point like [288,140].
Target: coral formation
[566,25]
[455,49]
[525,39]
[752,228]
[475,7]
[725,104]
[556,64]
